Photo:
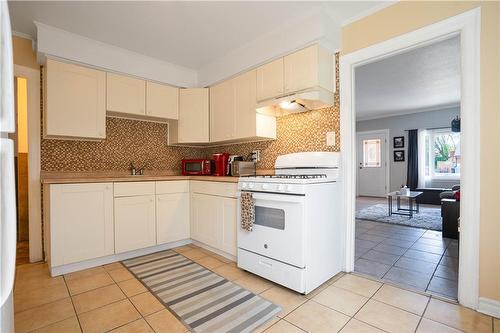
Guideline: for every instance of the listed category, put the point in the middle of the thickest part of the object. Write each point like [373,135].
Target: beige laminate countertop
[69,178]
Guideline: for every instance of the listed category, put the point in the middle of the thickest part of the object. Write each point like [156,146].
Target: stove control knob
[265,186]
[251,185]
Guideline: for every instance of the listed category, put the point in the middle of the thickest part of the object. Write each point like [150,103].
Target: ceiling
[418,80]
[189,34]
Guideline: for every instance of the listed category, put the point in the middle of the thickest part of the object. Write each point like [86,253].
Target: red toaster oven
[197,167]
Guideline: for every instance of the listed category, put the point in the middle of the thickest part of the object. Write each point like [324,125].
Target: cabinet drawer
[128,189]
[276,271]
[214,188]
[172,186]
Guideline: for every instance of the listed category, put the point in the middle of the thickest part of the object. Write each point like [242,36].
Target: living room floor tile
[370,267]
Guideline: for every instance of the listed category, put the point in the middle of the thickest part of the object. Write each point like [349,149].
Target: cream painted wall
[23,52]
[407,16]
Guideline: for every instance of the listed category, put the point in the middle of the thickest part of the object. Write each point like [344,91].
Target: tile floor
[109,298]
[413,258]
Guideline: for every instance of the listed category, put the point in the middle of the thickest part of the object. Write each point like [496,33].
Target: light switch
[330,138]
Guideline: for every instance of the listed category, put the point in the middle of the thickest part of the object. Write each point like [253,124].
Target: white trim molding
[467,25]
[489,306]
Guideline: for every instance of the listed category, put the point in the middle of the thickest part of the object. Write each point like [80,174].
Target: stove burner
[315,176]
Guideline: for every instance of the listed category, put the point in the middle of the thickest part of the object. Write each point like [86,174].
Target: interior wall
[398,126]
[406,16]
[23,52]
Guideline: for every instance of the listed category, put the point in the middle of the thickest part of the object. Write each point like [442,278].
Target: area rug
[200,298]
[427,218]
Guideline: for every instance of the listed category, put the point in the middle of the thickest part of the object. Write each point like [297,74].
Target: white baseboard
[69,268]
[489,306]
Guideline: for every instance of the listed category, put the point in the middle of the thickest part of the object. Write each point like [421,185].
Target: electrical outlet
[330,138]
[256,155]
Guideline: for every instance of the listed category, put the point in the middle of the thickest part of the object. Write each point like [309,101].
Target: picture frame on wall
[399,156]
[399,142]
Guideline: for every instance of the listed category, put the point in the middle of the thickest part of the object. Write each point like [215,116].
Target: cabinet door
[227,213]
[80,222]
[193,125]
[301,69]
[172,217]
[75,101]
[134,223]
[205,221]
[162,101]
[222,113]
[125,94]
[245,100]
[270,80]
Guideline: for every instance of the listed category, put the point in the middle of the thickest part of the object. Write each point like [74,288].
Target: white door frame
[468,26]
[34,185]
[386,134]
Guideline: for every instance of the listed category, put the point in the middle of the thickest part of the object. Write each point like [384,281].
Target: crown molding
[397,113]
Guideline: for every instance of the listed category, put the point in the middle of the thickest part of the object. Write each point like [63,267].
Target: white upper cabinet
[193,124]
[270,80]
[162,101]
[75,101]
[125,94]
[245,100]
[308,68]
[222,115]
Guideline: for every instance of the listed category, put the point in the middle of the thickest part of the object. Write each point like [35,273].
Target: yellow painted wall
[23,52]
[406,16]
[22,114]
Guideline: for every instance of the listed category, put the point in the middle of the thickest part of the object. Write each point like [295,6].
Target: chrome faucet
[134,171]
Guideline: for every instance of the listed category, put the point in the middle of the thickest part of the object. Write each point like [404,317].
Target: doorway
[373,169]
[465,25]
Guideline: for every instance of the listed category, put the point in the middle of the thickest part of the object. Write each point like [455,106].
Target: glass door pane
[372,153]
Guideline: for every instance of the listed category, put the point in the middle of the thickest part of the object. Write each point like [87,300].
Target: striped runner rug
[200,298]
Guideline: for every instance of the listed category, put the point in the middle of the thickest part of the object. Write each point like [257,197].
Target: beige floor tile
[30,270]
[210,262]
[114,265]
[314,317]
[43,315]
[403,299]
[120,274]
[132,287]
[29,298]
[84,273]
[457,316]
[96,298]
[221,258]
[194,254]
[138,326]
[184,248]
[89,282]
[266,325]
[165,322]
[341,300]
[358,285]
[69,325]
[230,272]
[254,283]
[146,303]
[387,317]
[283,326]
[431,326]
[356,326]
[35,281]
[287,299]
[109,317]
[316,291]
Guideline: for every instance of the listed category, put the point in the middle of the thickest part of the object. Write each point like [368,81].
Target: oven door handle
[274,197]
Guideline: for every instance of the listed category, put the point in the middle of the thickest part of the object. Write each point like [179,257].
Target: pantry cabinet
[172,211]
[75,101]
[125,94]
[162,101]
[270,80]
[78,222]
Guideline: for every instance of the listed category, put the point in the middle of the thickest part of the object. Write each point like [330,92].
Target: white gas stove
[296,237]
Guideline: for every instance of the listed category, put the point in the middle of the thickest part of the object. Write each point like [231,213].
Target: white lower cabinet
[172,217]
[79,222]
[135,223]
[227,208]
[204,219]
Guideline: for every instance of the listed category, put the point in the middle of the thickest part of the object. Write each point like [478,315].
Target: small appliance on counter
[232,160]
[220,161]
[243,168]
[197,167]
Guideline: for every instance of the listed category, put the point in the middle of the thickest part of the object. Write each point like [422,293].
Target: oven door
[278,232]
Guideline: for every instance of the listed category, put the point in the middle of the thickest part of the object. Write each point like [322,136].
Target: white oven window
[270,217]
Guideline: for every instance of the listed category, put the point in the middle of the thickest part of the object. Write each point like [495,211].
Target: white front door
[372,163]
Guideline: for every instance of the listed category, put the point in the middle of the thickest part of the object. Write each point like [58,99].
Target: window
[372,153]
[442,151]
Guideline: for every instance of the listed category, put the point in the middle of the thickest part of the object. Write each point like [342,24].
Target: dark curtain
[412,172]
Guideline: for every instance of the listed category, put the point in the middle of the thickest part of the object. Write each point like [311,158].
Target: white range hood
[306,100]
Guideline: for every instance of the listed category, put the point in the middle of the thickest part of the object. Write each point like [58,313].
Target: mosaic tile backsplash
[146,142]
